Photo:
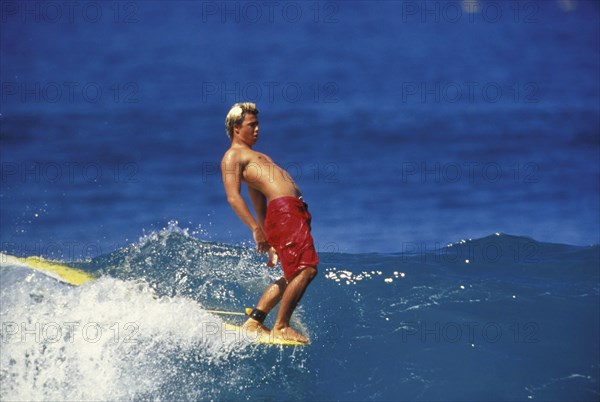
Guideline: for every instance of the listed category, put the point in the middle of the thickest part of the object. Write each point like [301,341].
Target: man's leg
[291,296]
[268,300]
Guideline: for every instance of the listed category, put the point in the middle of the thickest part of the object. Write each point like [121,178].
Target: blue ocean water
[409,125]
[498,318]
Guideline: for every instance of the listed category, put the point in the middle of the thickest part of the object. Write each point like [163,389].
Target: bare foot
[288,334]
[254,326]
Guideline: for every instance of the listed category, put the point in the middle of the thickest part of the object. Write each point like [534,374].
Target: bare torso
[259,172]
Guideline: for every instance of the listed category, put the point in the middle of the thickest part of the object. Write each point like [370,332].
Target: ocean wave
[142,328]
[113,339]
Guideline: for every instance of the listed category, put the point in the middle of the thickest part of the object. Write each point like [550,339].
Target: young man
[281,227]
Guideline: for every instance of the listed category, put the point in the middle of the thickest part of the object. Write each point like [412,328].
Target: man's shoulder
[237,154]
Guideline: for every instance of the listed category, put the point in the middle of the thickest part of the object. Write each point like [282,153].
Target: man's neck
[240,144]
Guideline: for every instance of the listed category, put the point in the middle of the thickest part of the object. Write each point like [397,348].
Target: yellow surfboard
[56,270]
[243,334]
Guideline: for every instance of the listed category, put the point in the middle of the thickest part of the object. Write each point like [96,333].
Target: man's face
[248,129]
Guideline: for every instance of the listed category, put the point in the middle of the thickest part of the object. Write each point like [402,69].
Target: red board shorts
[287,226]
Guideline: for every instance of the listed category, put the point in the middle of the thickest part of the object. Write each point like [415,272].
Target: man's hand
[261,240]
[273,258]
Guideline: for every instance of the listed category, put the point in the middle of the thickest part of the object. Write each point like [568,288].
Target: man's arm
[231,172]
[259,202]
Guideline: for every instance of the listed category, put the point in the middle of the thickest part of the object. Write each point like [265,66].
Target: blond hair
[236,116]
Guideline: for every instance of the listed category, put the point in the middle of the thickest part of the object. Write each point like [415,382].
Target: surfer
[281,227]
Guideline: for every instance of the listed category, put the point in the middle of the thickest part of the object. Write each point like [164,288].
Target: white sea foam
[107,340]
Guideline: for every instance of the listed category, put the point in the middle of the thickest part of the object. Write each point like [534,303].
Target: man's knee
[309,272]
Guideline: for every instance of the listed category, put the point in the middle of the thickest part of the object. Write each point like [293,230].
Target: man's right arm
[231,172]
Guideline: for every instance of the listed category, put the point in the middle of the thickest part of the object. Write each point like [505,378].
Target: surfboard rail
[54,269]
